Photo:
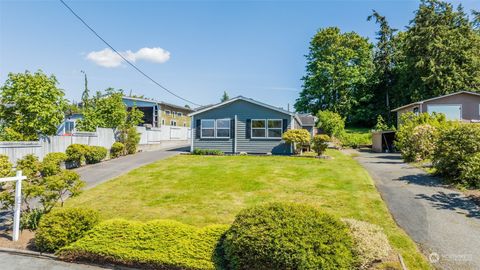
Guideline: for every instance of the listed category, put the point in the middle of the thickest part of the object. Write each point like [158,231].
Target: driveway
[443,222]
[104,171]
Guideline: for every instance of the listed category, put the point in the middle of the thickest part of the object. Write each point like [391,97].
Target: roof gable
[435,98]
[221,104]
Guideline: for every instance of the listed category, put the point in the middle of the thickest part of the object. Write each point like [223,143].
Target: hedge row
[270,236]
[453,147]
[79,154]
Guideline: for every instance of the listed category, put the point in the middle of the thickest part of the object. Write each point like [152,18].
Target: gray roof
[430,99]
[307,120]
[158,102]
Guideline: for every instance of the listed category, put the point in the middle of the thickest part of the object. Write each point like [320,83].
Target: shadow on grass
[453,202]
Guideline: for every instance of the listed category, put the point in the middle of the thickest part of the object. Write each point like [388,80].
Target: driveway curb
[28,253]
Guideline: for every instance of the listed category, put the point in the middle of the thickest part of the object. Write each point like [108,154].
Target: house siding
[244,110]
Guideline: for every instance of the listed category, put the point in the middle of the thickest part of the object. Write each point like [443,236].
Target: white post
[18,206]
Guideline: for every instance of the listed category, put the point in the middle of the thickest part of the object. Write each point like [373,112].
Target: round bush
[76,154]
[456,145]
[117,149]
[64,226]
[95,154]
[371,243]
[287,236]
[320,143]
[51,163]
[470,171]
[421,143]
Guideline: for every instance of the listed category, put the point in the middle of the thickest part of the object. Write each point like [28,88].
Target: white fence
[102,137]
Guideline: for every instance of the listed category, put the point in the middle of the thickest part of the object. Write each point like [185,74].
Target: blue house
[243,125]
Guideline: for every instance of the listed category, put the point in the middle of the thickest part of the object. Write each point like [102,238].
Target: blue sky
[250,48]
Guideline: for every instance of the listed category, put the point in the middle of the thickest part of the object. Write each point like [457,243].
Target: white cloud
[108,58]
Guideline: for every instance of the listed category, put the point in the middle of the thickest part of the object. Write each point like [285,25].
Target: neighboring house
[159,113]
[68,126]
[307,122]
[463,106]
[242,125]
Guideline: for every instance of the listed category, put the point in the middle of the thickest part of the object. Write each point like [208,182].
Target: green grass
[203,190]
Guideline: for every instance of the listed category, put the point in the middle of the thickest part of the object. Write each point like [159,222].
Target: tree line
[438,53]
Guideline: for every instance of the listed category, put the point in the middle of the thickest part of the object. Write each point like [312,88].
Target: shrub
[5,166]
[76,154]
[298,137]
[157,244]
[320,143]
[421,143]
[117,149]
[456,146]
[95,154]
[408,122]
[63,226]
[130,138]
[370,243]
[354,140]
[331,123]
[470,171]
[287,236]
[381,125]
[51,163]
[207,152]
[30,166]
[30,219]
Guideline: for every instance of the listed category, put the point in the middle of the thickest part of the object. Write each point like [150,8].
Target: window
[207,128]
[69,127]
[258,128]
[416,110]
[211,128]
[223,128]
[267,128]
[451,111]
[274,128]
[167,112]
[179,114]
[163,122]
[173,123]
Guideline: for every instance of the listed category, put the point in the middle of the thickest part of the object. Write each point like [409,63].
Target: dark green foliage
[471,171]
[157,244]
[30,166]
[287,236]
[207,152]
[130,138]
[320,143]
[456,147]
[117,149]
[76,154]
[51,163]
[338,68]
[64,226]
[331,123]
[95,154]
[57,187]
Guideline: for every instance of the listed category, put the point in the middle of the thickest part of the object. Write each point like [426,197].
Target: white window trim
[201,129]
[215,128]
[266,129]
[437,104]
[229,128]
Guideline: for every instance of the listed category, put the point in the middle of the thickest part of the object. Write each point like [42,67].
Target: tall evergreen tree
[225,97]
[338,68]
[384,61]
[442,52]
[85,94]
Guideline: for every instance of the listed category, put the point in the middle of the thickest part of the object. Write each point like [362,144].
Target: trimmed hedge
[64,226]
[76,154]
[287,236]
[158,244]
[117,149]
[95,154]
[207,152]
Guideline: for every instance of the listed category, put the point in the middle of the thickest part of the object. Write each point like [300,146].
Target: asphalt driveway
[104,171]
[443,222]
[21,262]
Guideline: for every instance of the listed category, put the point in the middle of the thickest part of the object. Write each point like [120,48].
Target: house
[463,106]
[159,113]
[243,125]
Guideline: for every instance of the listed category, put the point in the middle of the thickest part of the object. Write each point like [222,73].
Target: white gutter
[235,136]
[191,133]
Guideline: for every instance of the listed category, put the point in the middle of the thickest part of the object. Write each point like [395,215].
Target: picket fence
[101,137]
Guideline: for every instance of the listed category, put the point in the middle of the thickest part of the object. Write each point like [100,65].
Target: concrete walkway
[21,262]
[443,222]
[104,171]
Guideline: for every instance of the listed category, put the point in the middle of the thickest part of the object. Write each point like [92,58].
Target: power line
[125,59]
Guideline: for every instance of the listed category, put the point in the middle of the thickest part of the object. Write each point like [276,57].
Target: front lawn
[203,190]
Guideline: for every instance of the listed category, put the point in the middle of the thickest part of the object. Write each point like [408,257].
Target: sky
[197,49]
